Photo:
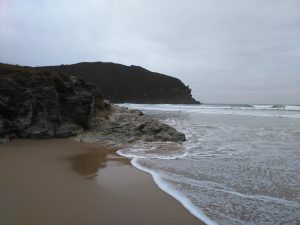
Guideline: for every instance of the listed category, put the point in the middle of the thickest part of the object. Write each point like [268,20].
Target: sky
[233,51]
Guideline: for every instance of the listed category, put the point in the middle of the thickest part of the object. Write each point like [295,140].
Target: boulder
[121,127]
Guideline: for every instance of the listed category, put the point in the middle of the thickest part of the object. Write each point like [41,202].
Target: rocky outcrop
[44,104]
[130,84]
[120,127]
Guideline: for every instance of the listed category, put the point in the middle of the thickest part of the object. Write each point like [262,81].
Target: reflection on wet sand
[38,186]
[88,164]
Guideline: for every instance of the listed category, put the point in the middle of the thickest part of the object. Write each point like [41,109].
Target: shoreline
[168,189]
[184,201]
[61,181]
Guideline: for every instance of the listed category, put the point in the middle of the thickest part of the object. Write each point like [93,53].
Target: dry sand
[63,182]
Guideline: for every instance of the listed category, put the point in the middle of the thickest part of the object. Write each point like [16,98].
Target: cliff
[130,84]
[45,104]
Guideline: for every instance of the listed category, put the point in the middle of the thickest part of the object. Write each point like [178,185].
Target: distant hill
[131,84]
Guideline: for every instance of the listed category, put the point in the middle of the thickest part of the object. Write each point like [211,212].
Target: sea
[239,165]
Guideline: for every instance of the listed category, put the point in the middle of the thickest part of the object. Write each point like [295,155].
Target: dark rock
[42,104]
[124,127]
[106,104]
[67,130]
[38,104]
[39,131]
[2,126]
[4,140]
[124,84]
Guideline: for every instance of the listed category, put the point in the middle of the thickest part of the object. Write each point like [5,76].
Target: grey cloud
[227,51]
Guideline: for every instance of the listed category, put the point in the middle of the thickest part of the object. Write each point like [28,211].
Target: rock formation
[130,84]
[43,104]
[120,127]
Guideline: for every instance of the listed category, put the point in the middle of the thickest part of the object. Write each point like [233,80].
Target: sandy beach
[64,182]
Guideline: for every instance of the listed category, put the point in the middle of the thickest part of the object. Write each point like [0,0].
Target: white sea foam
[293,107]
[232,170]
[140,151]
[174,193]
[132,155]
[154,150]
[279,111]
[209,185]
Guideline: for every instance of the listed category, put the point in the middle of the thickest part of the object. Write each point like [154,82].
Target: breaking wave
[279,111]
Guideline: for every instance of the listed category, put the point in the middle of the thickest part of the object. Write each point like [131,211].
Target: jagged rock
[37,104]
[123,126]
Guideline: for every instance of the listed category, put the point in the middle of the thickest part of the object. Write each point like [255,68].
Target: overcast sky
[227,51]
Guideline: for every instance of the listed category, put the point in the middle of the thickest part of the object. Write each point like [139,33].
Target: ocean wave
[163,151]
[221,188]
[154,150]
[169,189]
[232,170]
[292,107]
[279,111]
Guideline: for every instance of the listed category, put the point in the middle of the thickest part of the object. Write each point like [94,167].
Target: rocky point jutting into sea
[46,104]
[129,84]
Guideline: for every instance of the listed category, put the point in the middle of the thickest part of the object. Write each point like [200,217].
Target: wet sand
[63,182]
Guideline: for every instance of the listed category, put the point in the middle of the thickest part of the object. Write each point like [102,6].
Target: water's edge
[184,201]
[239,165]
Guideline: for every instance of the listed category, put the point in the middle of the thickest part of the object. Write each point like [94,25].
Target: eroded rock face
[121,127]
[44,104]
